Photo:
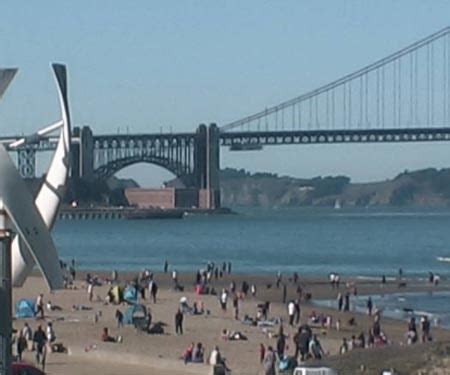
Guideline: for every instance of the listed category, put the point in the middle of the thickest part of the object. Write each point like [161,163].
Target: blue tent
[130,294]
[135,311]
[25,308]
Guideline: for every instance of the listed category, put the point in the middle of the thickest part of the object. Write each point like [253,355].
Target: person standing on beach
[235,306]
[291,312]
[425,325]
[269,362]
[278,279]
[297,311]
[347,302]
[223,299]
[179,322]
[340,301]
[175,277]
[153,290]
[119,318]
[166,266]
[232,287]
[262,352]
[229,268]
[90,291]
[369,306]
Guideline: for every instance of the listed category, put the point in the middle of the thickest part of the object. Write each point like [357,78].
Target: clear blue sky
[144,64]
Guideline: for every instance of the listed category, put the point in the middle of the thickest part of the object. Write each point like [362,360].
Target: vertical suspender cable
[432,84]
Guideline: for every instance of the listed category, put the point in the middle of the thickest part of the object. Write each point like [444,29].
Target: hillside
[424,188]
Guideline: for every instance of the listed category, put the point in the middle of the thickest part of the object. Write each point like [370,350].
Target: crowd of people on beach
[293,337]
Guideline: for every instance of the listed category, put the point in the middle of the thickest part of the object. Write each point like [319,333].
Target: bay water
[365,242]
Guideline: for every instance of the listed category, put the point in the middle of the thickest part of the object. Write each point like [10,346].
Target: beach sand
[160,354]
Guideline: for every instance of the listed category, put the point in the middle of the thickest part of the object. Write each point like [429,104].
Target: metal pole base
[5,304]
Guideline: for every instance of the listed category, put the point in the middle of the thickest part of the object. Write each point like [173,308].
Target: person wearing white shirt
[291,312]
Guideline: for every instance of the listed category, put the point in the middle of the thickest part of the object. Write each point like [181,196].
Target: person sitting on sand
[187,355]
[106,337]
[198,308]
[51,307]
[198,353]
[232,335]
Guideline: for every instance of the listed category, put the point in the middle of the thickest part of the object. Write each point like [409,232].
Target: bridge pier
[207,165]
[83,154]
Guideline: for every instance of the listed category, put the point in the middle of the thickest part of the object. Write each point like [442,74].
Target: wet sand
[160,354]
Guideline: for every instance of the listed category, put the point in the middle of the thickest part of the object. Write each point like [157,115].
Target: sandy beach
[160,354]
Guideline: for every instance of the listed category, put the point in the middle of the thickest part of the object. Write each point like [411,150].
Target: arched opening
[146,175]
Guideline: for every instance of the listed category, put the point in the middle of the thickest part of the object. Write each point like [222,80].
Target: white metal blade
[23,213]
[52,190]
[6,76]
[34,138]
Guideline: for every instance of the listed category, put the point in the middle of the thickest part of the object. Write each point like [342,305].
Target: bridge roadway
[256,138]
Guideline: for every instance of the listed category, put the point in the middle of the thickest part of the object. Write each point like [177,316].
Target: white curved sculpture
[51,192]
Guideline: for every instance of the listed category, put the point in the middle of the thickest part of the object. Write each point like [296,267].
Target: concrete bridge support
[207,165]
[83,154]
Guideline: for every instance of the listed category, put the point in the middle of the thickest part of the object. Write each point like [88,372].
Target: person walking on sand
[39,308]
[281,344]
[179,322]
[39,340]
[21,344]
[269,362]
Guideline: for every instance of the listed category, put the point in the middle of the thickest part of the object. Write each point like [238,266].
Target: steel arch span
[111,168]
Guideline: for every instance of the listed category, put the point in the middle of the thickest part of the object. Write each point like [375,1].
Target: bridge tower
[207,165]
[83,154]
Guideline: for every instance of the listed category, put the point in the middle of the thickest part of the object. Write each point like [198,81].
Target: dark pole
[5,299]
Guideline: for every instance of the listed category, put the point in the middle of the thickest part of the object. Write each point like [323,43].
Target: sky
[147,66]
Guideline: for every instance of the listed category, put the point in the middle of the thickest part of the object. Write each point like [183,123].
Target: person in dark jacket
[179,322]
[39,340]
